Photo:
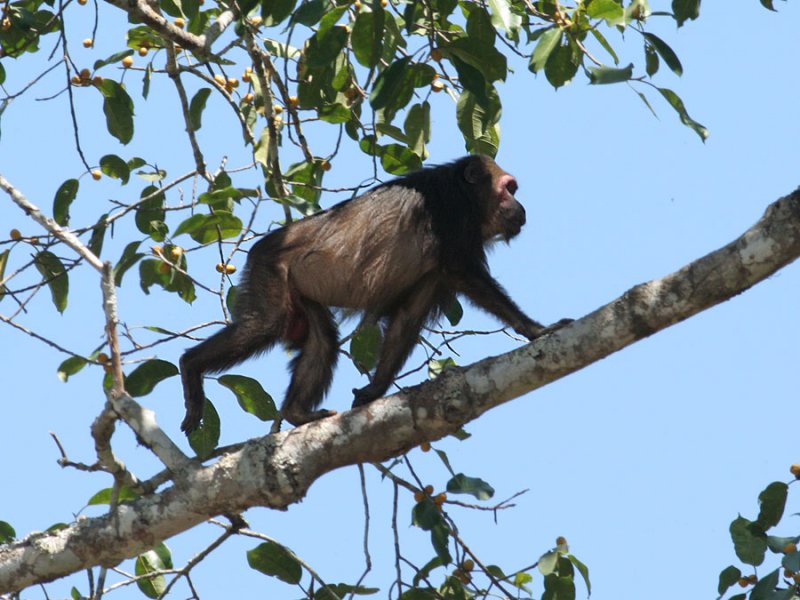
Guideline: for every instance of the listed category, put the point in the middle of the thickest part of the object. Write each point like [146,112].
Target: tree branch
[277,470]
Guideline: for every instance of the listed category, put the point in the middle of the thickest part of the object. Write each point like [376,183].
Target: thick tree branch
[277,470]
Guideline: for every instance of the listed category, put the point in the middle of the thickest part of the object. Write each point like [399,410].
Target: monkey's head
[503,215]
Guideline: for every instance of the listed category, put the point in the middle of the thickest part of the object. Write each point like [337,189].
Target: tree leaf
[196,107]
[461,484]
[251,396]
[275,560]
[772,502]
[683,10]
[113,166]
[148,375]
[548,41]
[677,104]
[606,75]
[749,543]
[667,53]
[65,194]
[69,367]
[118,108]
[55,276]
[205,438]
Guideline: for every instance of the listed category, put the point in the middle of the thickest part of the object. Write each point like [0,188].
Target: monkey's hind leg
[312,368]
[221,351]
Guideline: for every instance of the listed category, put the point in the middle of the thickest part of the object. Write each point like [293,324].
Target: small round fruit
[436,54]
[143,50]
[230,269]
[176,251]
[256,21]
[97,174]
[34,240]
[789,548]
[85,75]
[127,62]
[248,98]
[75,80]
[246,77]
[293,101]
[5,24]
[88,43]
[220,79]
[425,446]
[419,497]
[743,582]
[157,250]
[561,541]
[384,3]
[325,165]
[102,357]
[14,234]
[97,80]
[83,2]
[795,470]
[357,5]
[436,86]
[179,22]
[440,498]
[468,565]
[233,82]
[220,267]
[428,489]
[277,109]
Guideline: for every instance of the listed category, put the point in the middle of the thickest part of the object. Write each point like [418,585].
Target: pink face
[510,213]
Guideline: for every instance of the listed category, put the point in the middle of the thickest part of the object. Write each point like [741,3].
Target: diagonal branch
[277,470]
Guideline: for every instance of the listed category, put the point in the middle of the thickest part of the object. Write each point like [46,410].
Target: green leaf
[399,160]
[365,347]
[156,272]
[129,257]
[764,589]
[98,235]
[118,108]
[7,533]
[367,36]
[768,4]
[113,166]
[651,60]
[609,10]
[417,128]
[153,561]
[65,194]
[323,48]
[114,58]
[479,27]
[426,514]
[772,503]
[275,560]
[251,396]
[197,106]
[342,590]
[276,11]
[667,53]
[548,41]
[437,365]
[205,229]
[205,438]
[548,562]
[683,10]
[70,366]
[583,570]
[310,13]
[749,542]
[440,539]
[461,484]
[728,577]
[484,57]
[148,375]
[504,18]
[55,276]
[3,262]
[104,496]
[677,104]
[392,86]
[604,75]
[478,121]
[606,46]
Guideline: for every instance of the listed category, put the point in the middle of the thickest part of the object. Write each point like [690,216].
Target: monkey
[399,252]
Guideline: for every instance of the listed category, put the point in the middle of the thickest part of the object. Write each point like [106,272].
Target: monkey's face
[507,215]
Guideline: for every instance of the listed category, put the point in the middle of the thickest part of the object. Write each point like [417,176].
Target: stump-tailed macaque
[399,252]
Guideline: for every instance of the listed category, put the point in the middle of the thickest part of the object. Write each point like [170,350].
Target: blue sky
[641,460]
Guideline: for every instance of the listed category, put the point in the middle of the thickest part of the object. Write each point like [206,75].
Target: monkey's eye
[511,187]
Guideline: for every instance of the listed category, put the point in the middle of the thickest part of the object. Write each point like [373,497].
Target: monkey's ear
[474,171]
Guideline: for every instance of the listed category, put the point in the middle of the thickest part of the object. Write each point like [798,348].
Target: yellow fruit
[428,489]
[277,109]
[230,269]
[325,165]
[795,470]
[233,82]
[248,98]
[440,499]
[436,54]
[384,3]
[83,2]
[127,62]
[357,5]
[34,240]
[97,175]
[789,548]
[246,77]
[85,74]
[14,234]
[419,496]
[143,50]
[468,565]
[425,446]
[256,21]
[436,86]
[102,357]
[157,250]
[5,24]
[75,80]
[97,80]
[88,43]
[176,251]
[293,101]
[179,22]
[561,541]
[220,267]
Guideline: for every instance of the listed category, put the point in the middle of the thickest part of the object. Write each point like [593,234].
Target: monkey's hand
[367,394]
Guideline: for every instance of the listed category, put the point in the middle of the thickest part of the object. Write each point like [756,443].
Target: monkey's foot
[298,418]
[556,326]
[366,395]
